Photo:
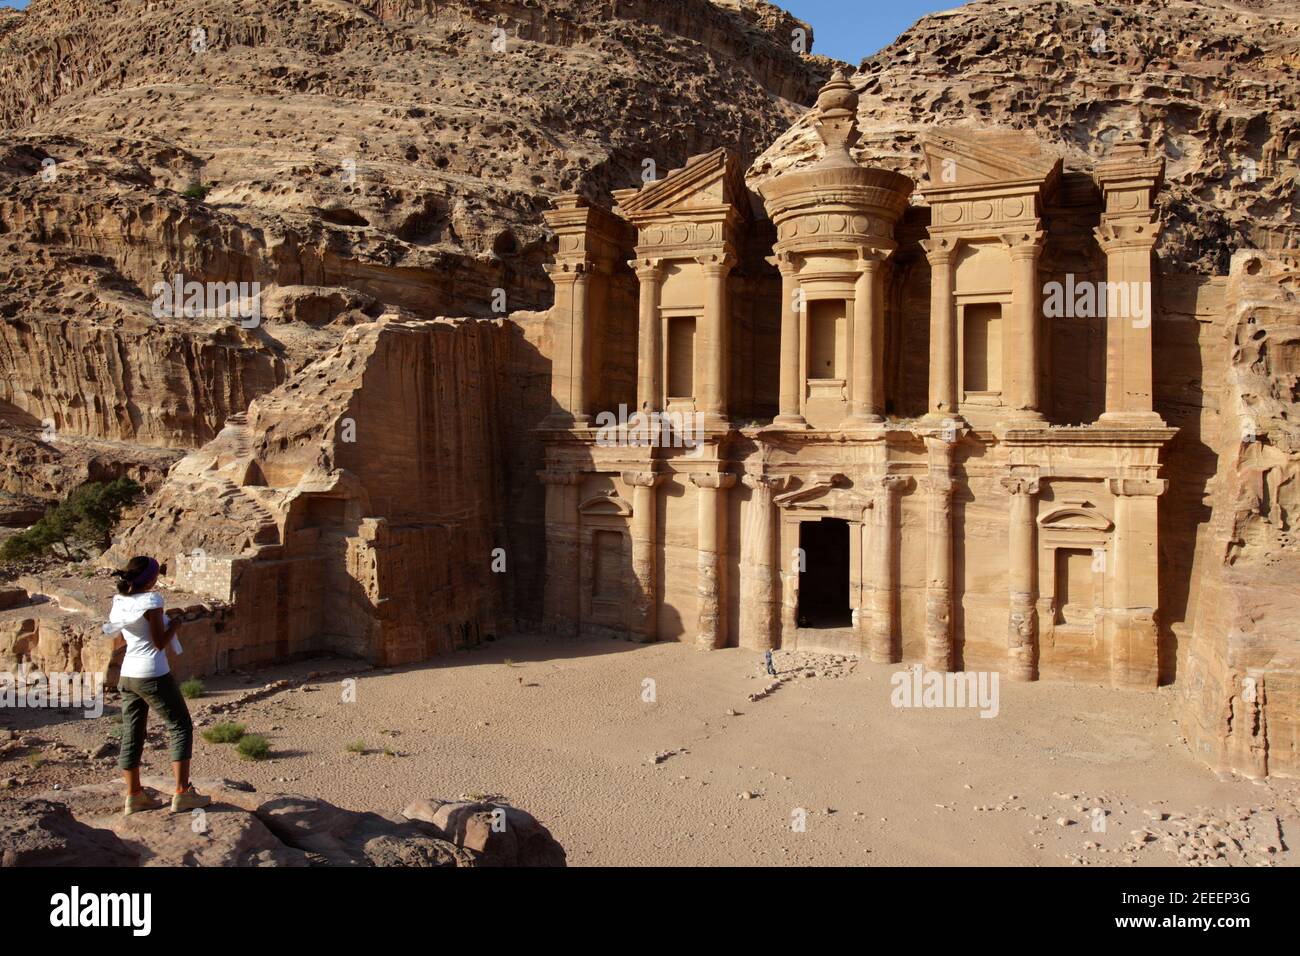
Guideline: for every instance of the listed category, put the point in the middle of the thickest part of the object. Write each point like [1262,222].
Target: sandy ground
[561,729]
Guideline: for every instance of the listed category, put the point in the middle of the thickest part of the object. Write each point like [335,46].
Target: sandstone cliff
[1242,678]
[349,157]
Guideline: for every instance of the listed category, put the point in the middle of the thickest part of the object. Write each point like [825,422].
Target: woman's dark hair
[138,570]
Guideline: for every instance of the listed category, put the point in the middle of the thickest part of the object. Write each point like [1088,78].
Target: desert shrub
[357,747]
[196,191]
[253,747]
[223,733]
[86,518]
[192,689]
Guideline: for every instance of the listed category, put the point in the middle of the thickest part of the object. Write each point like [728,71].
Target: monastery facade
[827,417]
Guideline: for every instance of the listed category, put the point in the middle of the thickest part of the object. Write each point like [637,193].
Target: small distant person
[147,684]
[771,668]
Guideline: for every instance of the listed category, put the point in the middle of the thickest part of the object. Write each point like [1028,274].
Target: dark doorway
[824,579]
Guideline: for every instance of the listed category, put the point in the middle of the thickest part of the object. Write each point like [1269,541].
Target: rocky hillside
[1216,83]
[349,157]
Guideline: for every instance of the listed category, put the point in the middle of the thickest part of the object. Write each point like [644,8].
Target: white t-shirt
[142,658]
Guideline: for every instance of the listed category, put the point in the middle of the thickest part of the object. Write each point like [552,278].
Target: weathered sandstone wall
[360,507]
[1242,668]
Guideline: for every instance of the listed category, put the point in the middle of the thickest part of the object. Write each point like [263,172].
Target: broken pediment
[966,158]
[1075,519]
[706,181]
[825,493]
[607,503]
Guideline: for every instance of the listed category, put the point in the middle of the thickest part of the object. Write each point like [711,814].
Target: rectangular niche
[828,347]
[982,348]
[607,565]
[1075,586]
[681,357]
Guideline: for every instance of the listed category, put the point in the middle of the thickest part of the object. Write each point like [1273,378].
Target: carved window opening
[681,357]
[827,339]
[1076,596]
[982,348]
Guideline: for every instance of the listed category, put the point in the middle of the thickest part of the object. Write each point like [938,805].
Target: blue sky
[852,29]
[845,29]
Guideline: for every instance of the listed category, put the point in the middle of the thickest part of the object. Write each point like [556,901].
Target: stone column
[943,329]
[715,340]
[645,599]
[867,391]
[1134,583]
[760,587]
[1022,580]
[569,385]
[563,552]
[1026,297]
[939,654]
[1130,225]
[791,414]
[711,631]
[649,392]
[886,643]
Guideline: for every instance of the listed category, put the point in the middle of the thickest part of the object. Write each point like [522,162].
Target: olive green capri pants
[141,695]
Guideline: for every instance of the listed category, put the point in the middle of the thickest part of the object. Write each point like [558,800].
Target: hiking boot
[135,802]
[191,799]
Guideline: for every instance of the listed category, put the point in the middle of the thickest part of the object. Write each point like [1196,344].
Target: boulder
[40,832]
[499,835]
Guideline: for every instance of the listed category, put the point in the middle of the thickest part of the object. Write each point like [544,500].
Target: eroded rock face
[349,158]
[359,507]
[85,826]
[1242,673]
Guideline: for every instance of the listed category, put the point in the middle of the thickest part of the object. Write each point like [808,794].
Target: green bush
[223,733]
[357,747]
[192,689]
[253,747]
[85,517]
[196,191]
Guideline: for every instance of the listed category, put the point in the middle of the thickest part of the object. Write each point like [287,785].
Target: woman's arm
[159,634]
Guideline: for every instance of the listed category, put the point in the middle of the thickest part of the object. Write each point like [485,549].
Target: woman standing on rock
[146,683]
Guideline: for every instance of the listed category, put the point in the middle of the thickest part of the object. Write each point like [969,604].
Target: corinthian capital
[894,484]
[642,479]
[939,249]
[1021,485]
[1024,243]
[716,263]
[713,479]
[773,483]
[647,270]
[1137,487]
[569,270]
